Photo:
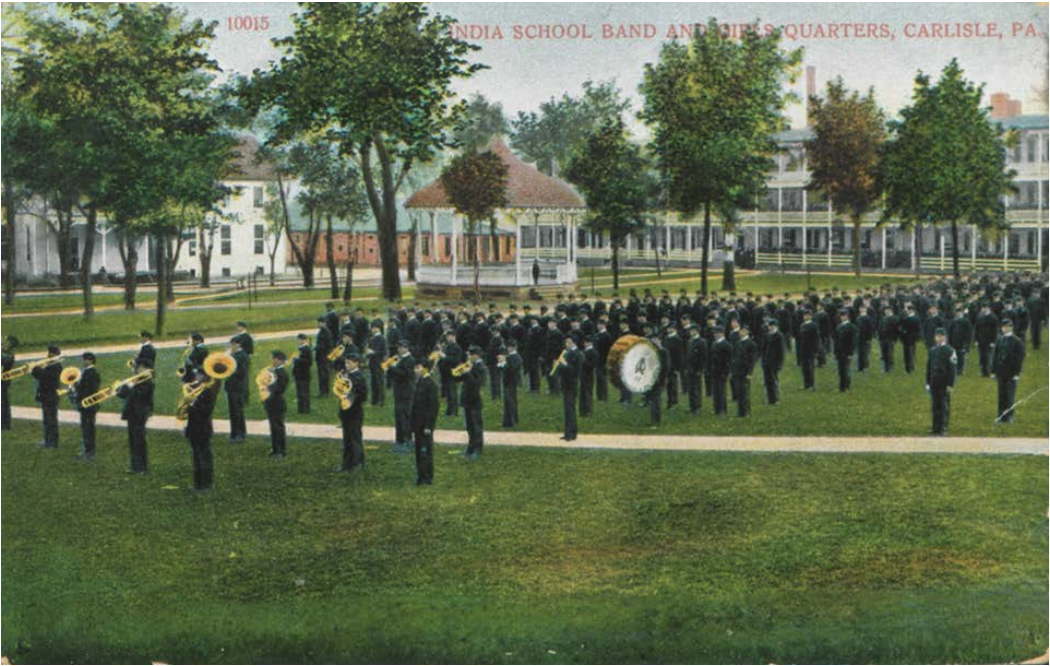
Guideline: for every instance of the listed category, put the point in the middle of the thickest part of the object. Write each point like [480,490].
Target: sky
[1003,45]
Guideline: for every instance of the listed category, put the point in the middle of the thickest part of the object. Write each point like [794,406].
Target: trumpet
[389,363]
[22,370]
[462,369]
[111,390]
[554,368]
[336,352]
[341,388]
[263,381]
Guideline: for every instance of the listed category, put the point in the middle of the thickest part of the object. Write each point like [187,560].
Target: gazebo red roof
[526,187]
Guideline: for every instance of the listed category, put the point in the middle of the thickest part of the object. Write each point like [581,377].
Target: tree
[275,212]
[610,172]
[377,79]
[481,121]
[549,137]
[947,162]
[476,184]
[714,105]
[843,156]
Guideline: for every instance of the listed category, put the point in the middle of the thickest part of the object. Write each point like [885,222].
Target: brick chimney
[1015,108]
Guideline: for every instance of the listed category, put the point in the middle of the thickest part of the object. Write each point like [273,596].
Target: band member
[147,352]
[721,360]
[602,343]
[986,331]
[865,332]
[323,345]
[236,387]
[910,333]
[245,338]
[496,348]
[772,361]
[933,321]
[472,381]
[625,395]
[554,343]
[745,353]
[511,366]
[452,355]
[8,356]
[331,321]
[675,347]
[587,370]
[199,431]
[376,351]
[275,404]
[652,398]
[889,329]
[46,377]
[402,376]
[195,359]
[535,345]
[138,406]
[808,348]
[845,347]
[301,374]
[1006,368]
[696,362]
[567,368]
[425,406]
[960,336]
[940,378]
[352,416]
[89,383]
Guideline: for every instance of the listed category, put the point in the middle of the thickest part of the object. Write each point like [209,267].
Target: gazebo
[542,213]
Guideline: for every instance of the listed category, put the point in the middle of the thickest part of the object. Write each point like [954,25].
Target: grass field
[528,556]
[878,404]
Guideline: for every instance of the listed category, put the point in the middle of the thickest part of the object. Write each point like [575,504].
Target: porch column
[517,252]
[942,251]
[455,250]
[780,225]
[973,246]
[419,241]
[689,243]
[667,238]
[433,237]
[805,207]
[829,231]
[1006,250]
[884,248]
[103,230]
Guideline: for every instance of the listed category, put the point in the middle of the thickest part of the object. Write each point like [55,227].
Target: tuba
[462,369]
[218,366]
[22,370]
[341,388]
[336,352]
[68,377]
[263,381]
[389,363]
[111,390]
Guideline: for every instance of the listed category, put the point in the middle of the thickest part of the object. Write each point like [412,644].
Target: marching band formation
[659,348]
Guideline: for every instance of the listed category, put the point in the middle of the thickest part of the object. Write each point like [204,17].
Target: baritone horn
[22,370]
[68,377]
[336,352]
[111,390]
[389,363]
[263,379]
[461,369]
[218,366]
[341,388]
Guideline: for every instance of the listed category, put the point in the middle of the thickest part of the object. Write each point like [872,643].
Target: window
[677,239]
[546,237]
[790,239]
[426,245]
[528,237]
[225,242]
[259,270]
[1033,148]
[257,196]
[581,238]
[192,248]
[226,272]
[448,246]
[259,239]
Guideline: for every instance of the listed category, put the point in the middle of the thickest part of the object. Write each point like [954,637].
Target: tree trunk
[129,258]
[86,256]
[918,249]
[477,264]
[955,249]
[159,251]
[273,275]
[64,214]
[329,246]
[703,251]
[384,209]
[729,263]
[348,288]
[171,259]
[10,255]
[206,245]
[616,264]
[856,246]
[494,239]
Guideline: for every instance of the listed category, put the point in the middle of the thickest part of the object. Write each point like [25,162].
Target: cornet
[336,352]
[22,370]
[389,363]
[111,390]
[462,369]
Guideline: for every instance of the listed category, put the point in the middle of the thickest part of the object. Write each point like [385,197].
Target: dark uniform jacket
[745,353]
[198,423]
[889,329]
[986,329]
[377,344]
[238,381]
[147,352]
[960,333]
[425,404]
[472,381]
[301,364]
[138,401]
[1009,356]
[721,358]
[940,366]
[90,382]
[358,397]
[569,372]
[845,340]
[403,376]
[773,352]
[808,339]
[911,329]
[275,404]
[696,356]
[512,370]
[323,344]
[47,382]
[195,361]
[246,342]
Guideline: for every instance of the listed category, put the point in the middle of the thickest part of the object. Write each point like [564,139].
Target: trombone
[111,390]
[218,366]
[22,370]
[554,368]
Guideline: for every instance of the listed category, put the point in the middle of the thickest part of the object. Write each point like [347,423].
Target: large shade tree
[376,78]
[714,105]
[849,131]
[947,162]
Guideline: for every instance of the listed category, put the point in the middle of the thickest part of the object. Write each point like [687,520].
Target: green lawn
[528,556]
[878,404]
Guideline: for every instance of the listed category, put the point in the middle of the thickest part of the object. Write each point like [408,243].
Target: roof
[247,164]
[367,224]
[526,187]
[794,135]
[1032,121]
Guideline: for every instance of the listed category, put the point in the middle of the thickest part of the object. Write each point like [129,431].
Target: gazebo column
[805,209]
[884,248]
[517,253]
[433,237]
[973,246]
[455,250]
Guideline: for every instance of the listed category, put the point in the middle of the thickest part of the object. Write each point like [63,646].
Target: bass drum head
[639,367]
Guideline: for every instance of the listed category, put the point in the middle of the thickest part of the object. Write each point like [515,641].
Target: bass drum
[633,363]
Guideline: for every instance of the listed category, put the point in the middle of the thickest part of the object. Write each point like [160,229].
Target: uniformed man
[845,347]
[352,417]
[535,343]
[47,380]
[8,356]
[452,355]
[425,405]
[472,381]
[510,366]
[675,347]
[323,345]
[90,382]
[301,374]
[986,331]
[496,348]
[940,379]
[602,343]
[808,348]
[652,398]
[275,404]
[402,377]
[721,361]
[377,352]
[199,430]
[331,320]
[587,372]
[236,387]
[245,338]
[742,364]
[960,336]
[147,352]
[195,359]
[567,368]
[138,406]
[1006,368]
[889,330]
[910,334]
[554,344]
[865,333]
[695,364]
[772,361]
